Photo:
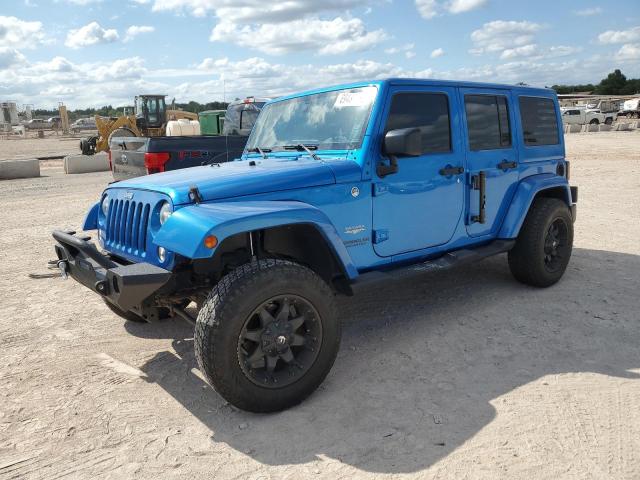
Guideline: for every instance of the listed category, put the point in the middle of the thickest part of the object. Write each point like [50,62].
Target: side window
[487,122]
[427,111]
[539,122]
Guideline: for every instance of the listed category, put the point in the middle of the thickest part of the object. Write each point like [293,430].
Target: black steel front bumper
[126,286]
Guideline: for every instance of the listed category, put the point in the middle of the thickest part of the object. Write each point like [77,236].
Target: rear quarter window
[539,121]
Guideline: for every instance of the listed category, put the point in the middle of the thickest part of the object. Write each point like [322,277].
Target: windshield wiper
[262,151]
[306,148]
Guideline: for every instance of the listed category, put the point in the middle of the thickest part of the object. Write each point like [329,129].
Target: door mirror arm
[383,169]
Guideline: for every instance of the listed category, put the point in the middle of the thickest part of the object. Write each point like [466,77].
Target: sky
[96,52]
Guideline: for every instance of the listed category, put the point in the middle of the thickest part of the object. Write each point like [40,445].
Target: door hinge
[380,236]
[380,189]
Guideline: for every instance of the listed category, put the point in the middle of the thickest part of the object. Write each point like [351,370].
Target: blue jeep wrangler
[337,188]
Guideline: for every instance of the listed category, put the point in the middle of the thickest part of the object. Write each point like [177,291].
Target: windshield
[330,121]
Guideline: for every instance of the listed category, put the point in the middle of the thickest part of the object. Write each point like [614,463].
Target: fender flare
[185,230]
[91,220]
[527,190]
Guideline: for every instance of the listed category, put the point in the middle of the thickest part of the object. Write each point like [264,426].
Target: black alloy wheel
[279,341]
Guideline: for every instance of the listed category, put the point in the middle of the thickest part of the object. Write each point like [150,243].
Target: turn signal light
[210,241]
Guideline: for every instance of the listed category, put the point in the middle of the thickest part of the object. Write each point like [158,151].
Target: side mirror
[406,142]
[403,142]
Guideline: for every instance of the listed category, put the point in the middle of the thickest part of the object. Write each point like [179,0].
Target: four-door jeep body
[337,188]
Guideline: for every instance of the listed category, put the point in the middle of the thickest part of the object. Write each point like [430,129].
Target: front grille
[127,226]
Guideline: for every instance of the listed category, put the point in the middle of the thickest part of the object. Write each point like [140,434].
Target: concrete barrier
[622,127]
[590,127]
[573,128]
[10,169]
[604,128]
[86,163]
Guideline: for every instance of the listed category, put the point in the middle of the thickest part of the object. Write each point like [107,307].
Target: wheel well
[301,243]
[555,192]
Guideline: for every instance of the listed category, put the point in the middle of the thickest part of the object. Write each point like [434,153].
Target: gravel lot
[465,374]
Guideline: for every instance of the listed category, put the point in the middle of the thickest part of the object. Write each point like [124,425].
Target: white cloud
[429,9]
[437,53]
[461,6]
[535,52]
[620,36]
[135,30]
[587,12]
[256,11]
[523,51]
[10,57]
[628,51]
[324,36]
[83,2]
[19,33]
[501,35]
[403,48]
[90,34]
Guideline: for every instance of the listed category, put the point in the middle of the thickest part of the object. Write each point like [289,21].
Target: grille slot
[126,227]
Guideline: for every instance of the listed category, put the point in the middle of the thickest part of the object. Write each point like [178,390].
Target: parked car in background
[36,124]
[83,124]
[54,122]
[582,116]
[241,115]
[631,108]
[135,156]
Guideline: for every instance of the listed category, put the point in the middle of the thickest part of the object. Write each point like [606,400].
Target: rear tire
[594,122]
[608,121]
[267,335]
[543,247]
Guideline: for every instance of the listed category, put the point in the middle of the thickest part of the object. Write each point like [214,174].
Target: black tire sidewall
[221,332]
[526,259]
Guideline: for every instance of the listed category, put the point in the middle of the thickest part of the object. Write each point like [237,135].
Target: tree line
[616,83]
[110,111]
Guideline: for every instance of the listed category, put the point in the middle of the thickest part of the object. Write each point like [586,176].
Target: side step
[446,261]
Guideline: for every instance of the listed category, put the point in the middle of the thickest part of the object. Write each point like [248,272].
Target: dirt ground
[462,375]
[31,146]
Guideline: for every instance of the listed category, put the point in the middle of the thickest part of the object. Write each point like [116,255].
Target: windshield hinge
[380,189]
[380,236]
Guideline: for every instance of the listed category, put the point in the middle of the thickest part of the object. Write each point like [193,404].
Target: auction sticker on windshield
[360,98]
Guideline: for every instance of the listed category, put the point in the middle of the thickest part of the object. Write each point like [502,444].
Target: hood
[235,179]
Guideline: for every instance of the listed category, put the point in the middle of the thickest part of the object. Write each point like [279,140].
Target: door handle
[449,170]
[506,165]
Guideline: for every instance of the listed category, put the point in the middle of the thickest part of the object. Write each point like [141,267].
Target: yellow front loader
[149,120]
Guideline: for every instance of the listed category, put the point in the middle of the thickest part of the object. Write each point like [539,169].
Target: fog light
[162,254]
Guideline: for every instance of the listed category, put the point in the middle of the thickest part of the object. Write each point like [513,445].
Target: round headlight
[105,205]
[165,212]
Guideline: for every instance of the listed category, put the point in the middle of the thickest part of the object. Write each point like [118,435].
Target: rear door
[491,154]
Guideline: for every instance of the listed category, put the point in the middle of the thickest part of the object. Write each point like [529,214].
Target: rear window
[539,121]
[487,122]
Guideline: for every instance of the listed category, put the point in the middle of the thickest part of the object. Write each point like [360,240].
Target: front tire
[543,247]
[267,335]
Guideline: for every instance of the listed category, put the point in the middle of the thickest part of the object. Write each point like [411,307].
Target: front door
[421,204]
[490,154]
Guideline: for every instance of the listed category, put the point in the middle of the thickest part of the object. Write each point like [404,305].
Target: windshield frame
[320,147]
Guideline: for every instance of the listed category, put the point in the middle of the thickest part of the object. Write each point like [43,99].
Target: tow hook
[63,266]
